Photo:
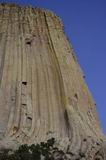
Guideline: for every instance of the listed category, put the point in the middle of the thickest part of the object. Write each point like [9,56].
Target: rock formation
[42,89]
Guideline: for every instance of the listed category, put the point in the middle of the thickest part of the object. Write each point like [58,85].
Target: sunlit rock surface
[42,89]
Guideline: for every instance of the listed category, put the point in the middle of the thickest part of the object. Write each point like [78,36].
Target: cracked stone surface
[43,93]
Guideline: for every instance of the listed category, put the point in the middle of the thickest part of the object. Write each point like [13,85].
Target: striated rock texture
[42,89]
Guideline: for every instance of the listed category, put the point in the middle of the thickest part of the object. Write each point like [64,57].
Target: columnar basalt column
[42,89]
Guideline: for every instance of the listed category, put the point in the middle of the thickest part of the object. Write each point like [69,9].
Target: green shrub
[44,150]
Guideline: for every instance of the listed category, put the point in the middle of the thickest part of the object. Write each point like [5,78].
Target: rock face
[42,89]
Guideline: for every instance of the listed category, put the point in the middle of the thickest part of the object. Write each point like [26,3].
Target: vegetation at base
[42,151]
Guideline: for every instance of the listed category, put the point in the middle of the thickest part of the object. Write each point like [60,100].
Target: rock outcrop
[42,89]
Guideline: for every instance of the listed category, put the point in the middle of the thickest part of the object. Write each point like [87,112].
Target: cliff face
[42,88]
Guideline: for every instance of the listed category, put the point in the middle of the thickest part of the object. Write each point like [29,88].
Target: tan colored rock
[42,89]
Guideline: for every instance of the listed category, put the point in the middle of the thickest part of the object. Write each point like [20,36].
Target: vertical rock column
[42,89]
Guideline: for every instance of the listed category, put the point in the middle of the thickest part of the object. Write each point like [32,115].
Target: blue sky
[85,26]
